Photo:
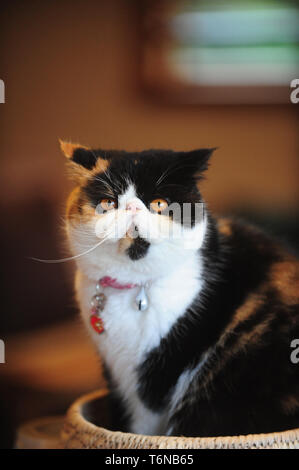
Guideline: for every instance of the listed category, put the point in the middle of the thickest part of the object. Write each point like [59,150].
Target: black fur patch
[138,248]
[85,158]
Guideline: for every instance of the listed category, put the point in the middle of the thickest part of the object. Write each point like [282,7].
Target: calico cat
[193,318]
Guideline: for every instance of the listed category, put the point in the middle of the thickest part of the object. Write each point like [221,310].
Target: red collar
[108,281]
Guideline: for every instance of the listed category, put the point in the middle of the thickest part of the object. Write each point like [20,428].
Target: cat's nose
[133,206]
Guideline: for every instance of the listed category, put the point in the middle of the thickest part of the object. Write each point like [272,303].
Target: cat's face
[135,203]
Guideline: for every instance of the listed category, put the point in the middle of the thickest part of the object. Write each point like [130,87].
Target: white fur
[183,384]
[174,276]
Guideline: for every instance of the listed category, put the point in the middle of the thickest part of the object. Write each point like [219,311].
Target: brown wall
[71,71]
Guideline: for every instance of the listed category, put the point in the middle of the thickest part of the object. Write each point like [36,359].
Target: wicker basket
[80,433]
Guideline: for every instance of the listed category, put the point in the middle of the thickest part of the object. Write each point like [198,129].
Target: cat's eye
[159,205]
[108,204]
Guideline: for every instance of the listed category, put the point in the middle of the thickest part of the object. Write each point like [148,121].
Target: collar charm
[97,303]
[141,299]
[97,323]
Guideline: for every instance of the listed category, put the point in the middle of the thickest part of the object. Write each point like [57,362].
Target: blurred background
[128,75]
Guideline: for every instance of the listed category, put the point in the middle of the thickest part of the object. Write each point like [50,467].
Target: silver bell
[141,300]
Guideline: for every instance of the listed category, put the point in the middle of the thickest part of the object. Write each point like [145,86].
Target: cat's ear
[78,154]
[81,160]
[197,160]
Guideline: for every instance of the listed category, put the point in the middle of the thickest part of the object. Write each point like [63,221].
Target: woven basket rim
[78,424]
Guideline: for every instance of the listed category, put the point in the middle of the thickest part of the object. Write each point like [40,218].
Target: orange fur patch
[72,204]
[253,336]
[101,166]
[253,302]
[285,278]
[78,210]
[124,244]
[224,226]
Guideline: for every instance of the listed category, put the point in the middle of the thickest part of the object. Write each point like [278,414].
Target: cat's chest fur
[130,334]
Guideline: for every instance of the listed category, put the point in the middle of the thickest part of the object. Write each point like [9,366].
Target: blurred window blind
[235,42]
[212,44]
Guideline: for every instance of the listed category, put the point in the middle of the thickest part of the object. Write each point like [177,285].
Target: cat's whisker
[70,258]
[167,172]
[113,183]
[162,177]
[106,185]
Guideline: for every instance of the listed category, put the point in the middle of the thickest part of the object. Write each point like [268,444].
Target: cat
[195,317]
